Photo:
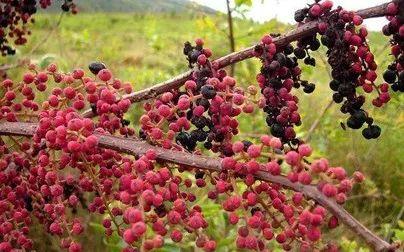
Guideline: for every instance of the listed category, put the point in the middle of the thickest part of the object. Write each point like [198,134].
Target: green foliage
[349,246]
[243,2]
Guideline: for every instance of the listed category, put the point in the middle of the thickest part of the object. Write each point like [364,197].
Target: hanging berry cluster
[351,60]
[279,74]
[205,112]
[265,211]
[394,75]
[14,17]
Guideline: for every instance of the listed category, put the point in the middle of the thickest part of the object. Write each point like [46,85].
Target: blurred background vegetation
[141,42]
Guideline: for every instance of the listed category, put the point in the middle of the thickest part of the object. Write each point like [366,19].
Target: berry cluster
[351,60]
[205,112]
[14,17]
[279,74]
[264,211]
[394,75]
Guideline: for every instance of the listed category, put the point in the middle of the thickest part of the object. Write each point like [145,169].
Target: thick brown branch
[137,147]
[302,31]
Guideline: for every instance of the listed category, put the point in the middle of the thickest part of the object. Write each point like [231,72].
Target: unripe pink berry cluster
[205,112]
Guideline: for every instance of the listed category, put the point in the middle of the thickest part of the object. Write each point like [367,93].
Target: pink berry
[391,9]
[198,110]
[73,146]
[357,20]
[238,147]
[275,143]
[28,78]
[202,59]
[52,68]
[176,235]
[358,176]
[183,103]
[267,39]
[333,222]
[292,158]
[327,5]
[75,247]
[190,85]
[104,75]
[314,234]
[274,168]
[164,110]
[304,178]
[199,42]
[329,190]
[128,236]
[254,151]
[42,77]
[315,10]
[281,238]
[10,95]
[304,150]
[267,233]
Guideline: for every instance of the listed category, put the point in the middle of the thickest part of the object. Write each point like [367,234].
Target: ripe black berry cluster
[14,17]
[279,74]
[351,61]
[394,75]
[310,43]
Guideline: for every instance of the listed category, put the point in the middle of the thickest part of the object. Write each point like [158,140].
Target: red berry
[315,10]
[28,78]
[176,235]
[267,39]
[292,158]
[199,42]
[10,95]
[202,59]
[391,9]
[329,190]
[254,151]
[104,75]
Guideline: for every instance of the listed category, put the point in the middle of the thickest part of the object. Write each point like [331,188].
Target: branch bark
[137,147]
[302,31]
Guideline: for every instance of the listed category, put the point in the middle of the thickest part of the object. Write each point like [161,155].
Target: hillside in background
[139,6]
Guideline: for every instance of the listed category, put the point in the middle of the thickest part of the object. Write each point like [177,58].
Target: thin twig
[394,223]
[317,121]
[46,38]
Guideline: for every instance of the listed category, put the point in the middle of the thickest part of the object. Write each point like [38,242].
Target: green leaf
[46,60]
[243,2]
[97,227]
[169,247]
[398,234]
